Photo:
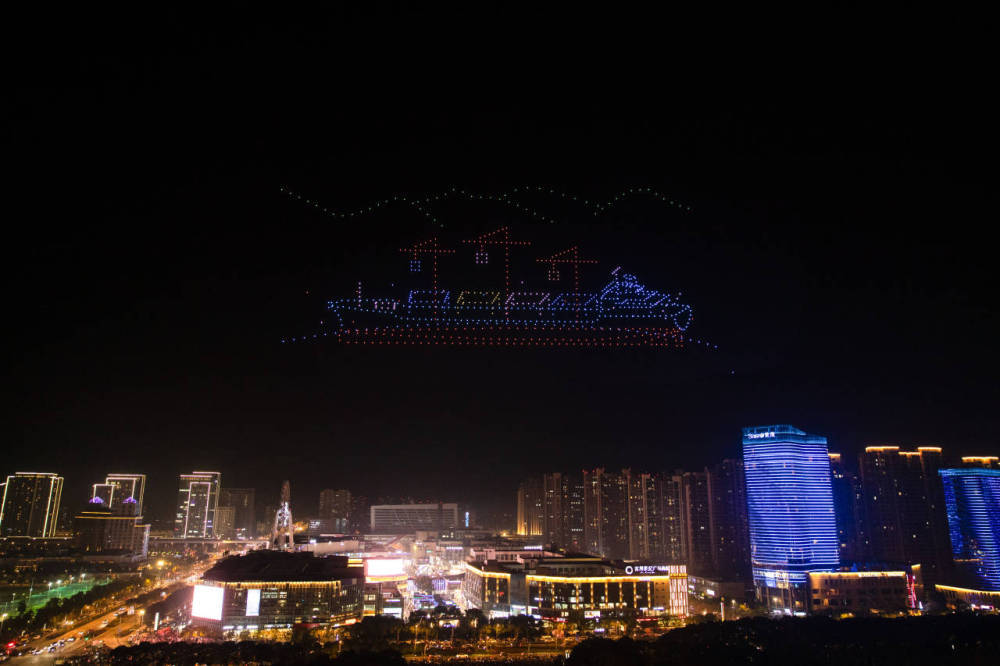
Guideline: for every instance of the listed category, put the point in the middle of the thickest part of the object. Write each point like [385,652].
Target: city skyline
[328,503]
[406,333]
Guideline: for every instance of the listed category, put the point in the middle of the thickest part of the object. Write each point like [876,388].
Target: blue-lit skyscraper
[793,528]
[972,502]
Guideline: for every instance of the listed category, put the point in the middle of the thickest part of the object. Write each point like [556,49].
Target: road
[103,625]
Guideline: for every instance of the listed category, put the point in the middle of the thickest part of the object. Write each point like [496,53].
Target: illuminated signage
[207,602]
[253,603]
[760,435]
[649,569]
[384,570]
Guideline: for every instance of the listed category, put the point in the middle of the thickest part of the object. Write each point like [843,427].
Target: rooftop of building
[278,566]
[573,564]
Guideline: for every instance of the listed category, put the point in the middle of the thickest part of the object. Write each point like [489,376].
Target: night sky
[835,252]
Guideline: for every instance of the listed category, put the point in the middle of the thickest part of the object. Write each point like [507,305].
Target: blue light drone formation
[622,313]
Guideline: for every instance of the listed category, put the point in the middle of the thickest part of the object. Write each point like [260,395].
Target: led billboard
[385,569]
[253,603]
[207,602]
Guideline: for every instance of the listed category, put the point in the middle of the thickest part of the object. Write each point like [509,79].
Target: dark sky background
[837,249]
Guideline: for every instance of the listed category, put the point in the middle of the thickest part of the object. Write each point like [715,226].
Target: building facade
[530,508]
[272,589]
[197,499]
[730,531]
[408,518]
[696,505]
[30,504]
[575,589]
[972,501]
[335,509]
[793,529]
[606,515]
[847,506]
[861,592]
[243,503]
[101,529]
[904,512]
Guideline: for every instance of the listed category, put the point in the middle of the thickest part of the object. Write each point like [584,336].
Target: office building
[408,518]
[572,589]
[243,503]
[793,529]
[101,529]
[972,501]
[903,505]
[197,500]
[268,589]
[30,505]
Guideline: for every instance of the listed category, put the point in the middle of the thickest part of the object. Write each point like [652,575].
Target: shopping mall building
[575,587]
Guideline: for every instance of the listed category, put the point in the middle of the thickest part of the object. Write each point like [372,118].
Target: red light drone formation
[623,313]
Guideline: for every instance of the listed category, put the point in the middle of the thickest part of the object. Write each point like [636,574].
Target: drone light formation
[623,313]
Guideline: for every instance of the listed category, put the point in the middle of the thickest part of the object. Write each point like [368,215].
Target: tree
[372,634]
[606,652]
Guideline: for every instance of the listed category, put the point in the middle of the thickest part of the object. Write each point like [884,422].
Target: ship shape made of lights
[623,313]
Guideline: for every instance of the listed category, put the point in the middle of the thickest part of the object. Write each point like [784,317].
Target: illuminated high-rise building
[793,528]
[674,537]
[555,498]
[972,501]
[197,499]
[30,505]
[126,486]
[530,508]
[119,487]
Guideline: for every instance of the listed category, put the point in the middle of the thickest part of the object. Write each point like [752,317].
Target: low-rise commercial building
[573,588]
[275,589]
[957,597]
[861,592]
